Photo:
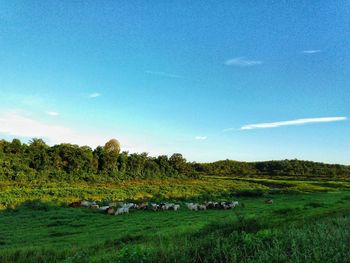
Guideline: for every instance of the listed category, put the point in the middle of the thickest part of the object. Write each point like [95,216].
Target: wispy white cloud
[94,95]
[163,74]
[291,122]
[19,125]
[311,51]
[23,125]
[230,129]
[242,62]
[201,138]
[52,113]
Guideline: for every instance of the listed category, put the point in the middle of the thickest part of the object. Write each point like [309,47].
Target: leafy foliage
[68,162]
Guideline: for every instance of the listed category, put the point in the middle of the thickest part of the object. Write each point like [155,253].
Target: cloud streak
[19,125]
[94,95]
[22,125]
[242,62]
[200,138]
[311,51]
[291,122]
[163,74]
[52,113]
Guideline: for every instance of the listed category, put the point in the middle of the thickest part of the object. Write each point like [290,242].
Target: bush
[250,193]
[36,205]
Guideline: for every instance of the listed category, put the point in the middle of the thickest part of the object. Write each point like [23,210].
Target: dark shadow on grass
[315,204]
[287,211]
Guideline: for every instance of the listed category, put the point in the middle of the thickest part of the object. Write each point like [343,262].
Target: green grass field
[308,222]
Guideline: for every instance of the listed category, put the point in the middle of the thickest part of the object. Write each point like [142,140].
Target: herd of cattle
[124,208]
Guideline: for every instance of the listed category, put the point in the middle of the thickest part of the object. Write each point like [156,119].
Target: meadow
[308,221]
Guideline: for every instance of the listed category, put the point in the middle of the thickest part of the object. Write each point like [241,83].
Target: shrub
[250,193]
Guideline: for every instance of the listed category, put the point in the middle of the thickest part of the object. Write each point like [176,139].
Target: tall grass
[326,240]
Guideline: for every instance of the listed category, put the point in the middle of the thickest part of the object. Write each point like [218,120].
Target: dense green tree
[151,169]
[179,163]
[66,162]
[38,155]
[136,164]
[122,164]
[16,147]
[166,169]
[98,154]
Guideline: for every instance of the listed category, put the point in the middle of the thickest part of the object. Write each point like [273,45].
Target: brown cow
[269,201]
[142,206]
[110,211]
[75,204]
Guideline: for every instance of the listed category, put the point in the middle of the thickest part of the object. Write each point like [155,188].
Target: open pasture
[45,232]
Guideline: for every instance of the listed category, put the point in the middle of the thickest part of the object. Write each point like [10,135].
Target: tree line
[68,162]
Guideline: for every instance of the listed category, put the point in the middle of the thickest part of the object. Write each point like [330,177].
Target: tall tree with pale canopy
[112,147]
[111,152]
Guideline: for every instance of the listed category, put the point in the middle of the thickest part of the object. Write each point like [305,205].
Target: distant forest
[67,162]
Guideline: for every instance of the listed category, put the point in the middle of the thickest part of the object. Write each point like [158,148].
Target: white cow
[103,208]
[235,203]
[129,205]
[167,206]
[154,206]
[86,203]
[202,207]
[122,210]
[192,206]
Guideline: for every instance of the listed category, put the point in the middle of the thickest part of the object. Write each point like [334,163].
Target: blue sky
[244,80]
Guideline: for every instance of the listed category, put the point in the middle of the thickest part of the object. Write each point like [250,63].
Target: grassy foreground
[311,226]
